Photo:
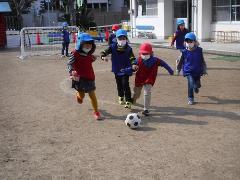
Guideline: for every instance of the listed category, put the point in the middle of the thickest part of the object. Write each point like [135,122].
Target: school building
[207,18]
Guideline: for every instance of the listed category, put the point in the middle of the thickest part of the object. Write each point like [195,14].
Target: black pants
[65,45]
[123,87]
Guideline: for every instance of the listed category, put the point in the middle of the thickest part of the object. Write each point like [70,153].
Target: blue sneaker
[190,101]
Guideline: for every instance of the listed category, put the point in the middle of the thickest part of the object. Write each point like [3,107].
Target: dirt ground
[46,135]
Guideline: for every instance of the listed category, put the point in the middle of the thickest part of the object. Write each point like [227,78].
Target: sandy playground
[46,135]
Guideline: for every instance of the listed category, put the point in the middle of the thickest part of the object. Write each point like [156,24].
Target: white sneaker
[190,102]
[62,56]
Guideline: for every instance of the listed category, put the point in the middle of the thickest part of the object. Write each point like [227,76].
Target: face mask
[145,57]
[122,42]
[114,32]
[86,50]
[189,45]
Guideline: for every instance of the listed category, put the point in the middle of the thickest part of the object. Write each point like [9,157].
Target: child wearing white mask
[193,65]
[81,71]
[147,67]
[122,60]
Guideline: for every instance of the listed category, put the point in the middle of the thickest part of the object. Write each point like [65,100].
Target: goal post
[44,40]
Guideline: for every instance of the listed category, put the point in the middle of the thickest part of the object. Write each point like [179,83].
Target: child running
[122,60]
[193,65]
[147,67]
[179,37]
[81,71]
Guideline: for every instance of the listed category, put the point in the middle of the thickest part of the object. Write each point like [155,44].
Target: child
[122,60]
[81,70]
[179,37]
[66,39]
[193,65]
[147,68]
[112,38]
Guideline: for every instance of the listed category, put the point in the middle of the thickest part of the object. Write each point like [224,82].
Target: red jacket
[146,75]
[83,66]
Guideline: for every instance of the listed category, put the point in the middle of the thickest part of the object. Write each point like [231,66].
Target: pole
[48,14]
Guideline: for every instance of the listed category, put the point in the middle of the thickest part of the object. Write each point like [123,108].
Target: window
[180,9]
[226,10]
[149,7]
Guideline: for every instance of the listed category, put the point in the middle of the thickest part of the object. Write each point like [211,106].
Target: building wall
[225,26]
[168,18]
[204,14]
[116,5]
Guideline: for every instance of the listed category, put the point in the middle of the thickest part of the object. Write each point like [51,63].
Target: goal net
[44,40]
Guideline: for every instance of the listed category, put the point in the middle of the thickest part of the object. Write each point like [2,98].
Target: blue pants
[193,84]
[65,46]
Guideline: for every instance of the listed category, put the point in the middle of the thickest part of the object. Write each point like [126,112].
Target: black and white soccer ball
[133,121]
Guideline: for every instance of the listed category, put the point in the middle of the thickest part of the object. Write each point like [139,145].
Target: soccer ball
[133,120]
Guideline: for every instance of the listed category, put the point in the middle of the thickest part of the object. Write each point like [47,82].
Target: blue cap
[83,37]
[180,21]
[64,24]
[121,32]
[191,36]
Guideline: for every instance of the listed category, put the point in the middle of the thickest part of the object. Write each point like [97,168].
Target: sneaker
[97,115]
[79,99]
[190,102]
[128,105]
[145,113]
[62,56]
[121,100]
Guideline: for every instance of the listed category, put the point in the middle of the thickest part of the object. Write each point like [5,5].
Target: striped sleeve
[71,60]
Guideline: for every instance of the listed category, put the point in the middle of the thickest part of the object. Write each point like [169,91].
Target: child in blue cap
[66,39]
[81,71]
[179,37]
[122,61]
[193,65]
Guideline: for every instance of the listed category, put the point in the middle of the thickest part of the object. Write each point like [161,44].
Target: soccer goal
[44,40]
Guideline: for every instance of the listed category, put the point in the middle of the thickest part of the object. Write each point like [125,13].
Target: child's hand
[74,76]
[135,67]
[94,58]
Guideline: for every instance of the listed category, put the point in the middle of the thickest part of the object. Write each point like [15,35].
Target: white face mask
[189,45]
[121,42]
[86,50]
[145,57]
[114,32]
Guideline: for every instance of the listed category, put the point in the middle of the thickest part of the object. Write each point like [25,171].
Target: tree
[20,6]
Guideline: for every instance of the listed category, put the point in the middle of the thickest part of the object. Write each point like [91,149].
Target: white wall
[152,21]
[204,13]
[168,18]
[225,26]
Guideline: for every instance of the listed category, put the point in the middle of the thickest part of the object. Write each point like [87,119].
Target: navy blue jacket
[179,37]
[121,60]
[192,62]
[65,36]
[112,39]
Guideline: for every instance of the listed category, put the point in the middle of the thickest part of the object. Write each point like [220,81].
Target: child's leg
[80,95]
[94,102]
[67,45]
[190,89]
[119,86]
[136,93]
[63,47]
[147,96]
[126,88]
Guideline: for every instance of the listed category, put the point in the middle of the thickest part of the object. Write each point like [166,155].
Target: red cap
[115,27]
[146,48]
